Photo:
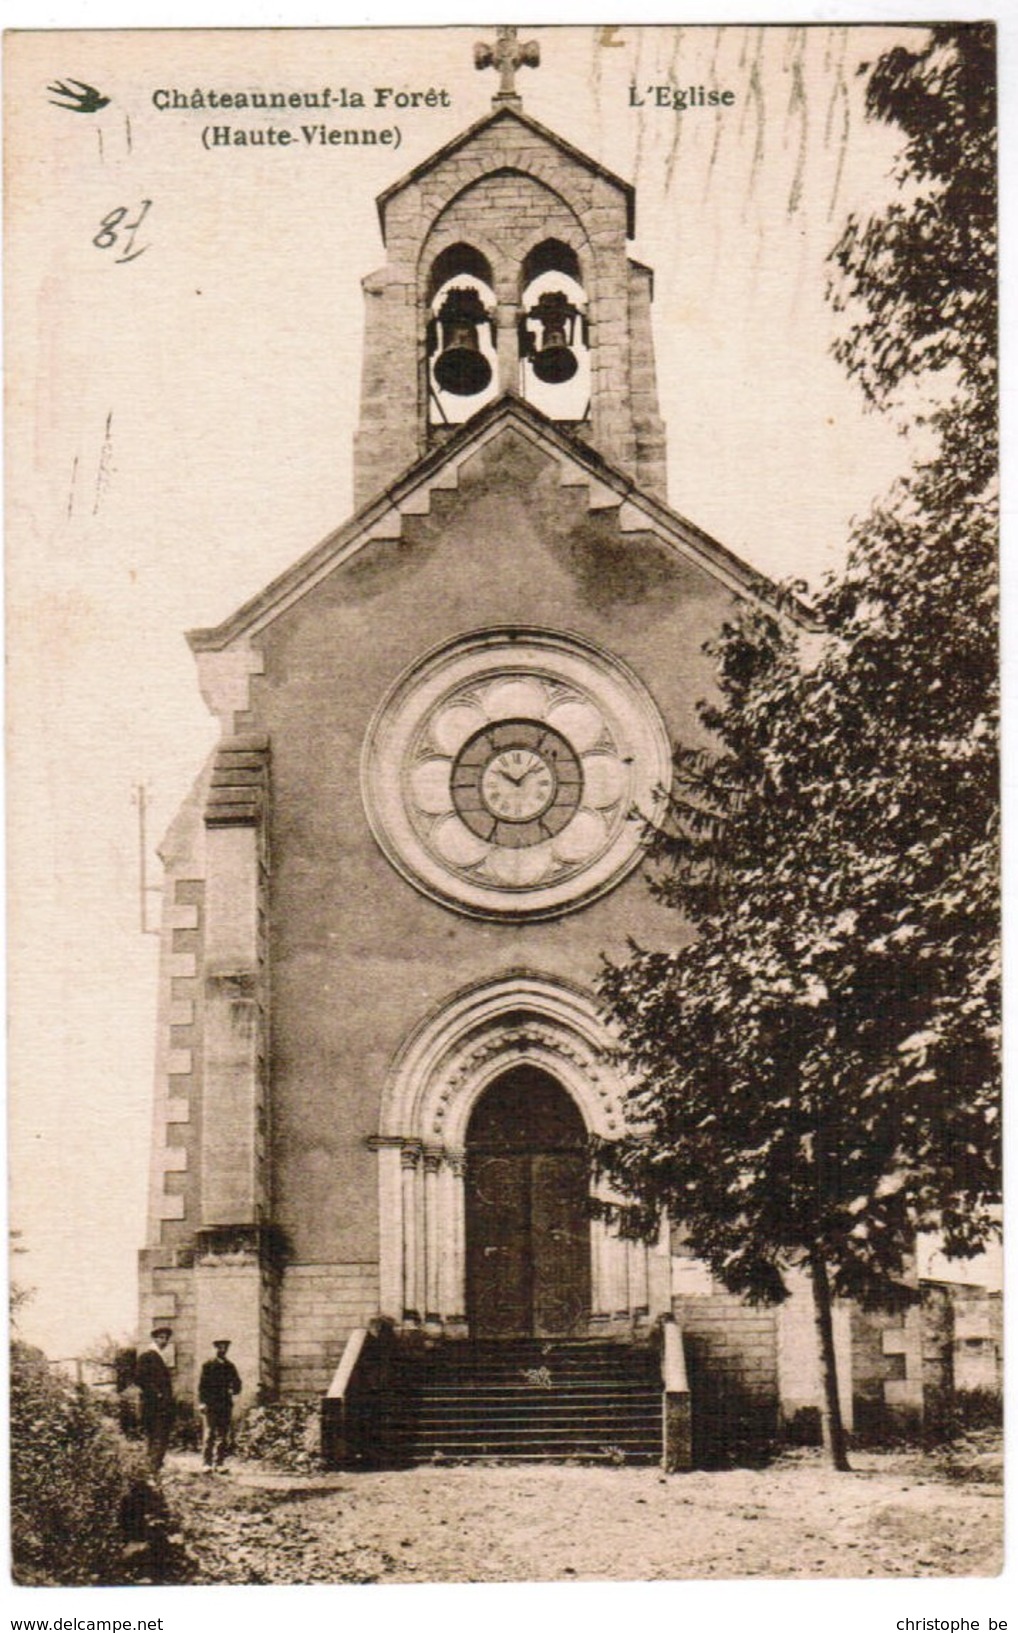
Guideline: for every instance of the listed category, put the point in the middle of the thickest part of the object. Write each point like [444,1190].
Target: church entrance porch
[484,1179]
[527,1227]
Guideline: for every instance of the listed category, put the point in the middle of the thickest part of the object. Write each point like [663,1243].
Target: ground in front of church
[897,1514]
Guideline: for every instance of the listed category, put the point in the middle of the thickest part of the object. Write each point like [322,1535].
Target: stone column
[677,1422]
[420,1240]
[447,1287]
[457,1311]
[616,1281]
[390,1223]
[639,1295]
[599,1280]
[232,1032]
[413,1291]
[432,1235]
[659,1274]
[507,346]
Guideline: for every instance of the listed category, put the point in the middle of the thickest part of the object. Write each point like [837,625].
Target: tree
[919,281]
[816,1075]
[17,1295]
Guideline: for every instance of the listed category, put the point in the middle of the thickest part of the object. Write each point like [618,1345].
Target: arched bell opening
[553,332]
[527,1181]
[462,363]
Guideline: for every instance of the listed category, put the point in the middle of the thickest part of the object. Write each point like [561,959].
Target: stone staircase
[525,1400]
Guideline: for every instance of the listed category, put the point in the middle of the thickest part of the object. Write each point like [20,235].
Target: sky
[180,423]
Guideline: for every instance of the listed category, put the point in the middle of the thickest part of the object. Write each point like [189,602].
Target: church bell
[553,358]
[460,367]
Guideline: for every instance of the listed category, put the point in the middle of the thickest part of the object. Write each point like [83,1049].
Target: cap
[162,1328]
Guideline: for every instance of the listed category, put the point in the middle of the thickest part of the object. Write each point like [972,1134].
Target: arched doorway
[477,1039]
[527,1225]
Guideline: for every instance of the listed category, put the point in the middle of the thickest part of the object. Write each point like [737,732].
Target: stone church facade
[388,894]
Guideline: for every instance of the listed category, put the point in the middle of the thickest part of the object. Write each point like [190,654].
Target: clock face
[505,774]
[516,783]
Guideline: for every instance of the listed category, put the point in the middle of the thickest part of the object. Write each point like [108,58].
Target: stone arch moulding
[461,178]
[439,1074]
[505,264]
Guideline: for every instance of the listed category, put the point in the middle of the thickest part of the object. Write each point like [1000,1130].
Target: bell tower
[507,271]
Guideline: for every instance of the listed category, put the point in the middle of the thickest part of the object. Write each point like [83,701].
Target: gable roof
[410,495]
[466,136]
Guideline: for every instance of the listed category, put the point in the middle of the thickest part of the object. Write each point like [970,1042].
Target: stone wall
[359,957]
[166,1274]
[320,1305]
[500,212]
[799,1379]
[175,1173]
[167,1293]
[732,1361]
[964,1336]
[887,1370]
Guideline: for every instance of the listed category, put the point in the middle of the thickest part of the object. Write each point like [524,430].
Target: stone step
[469,1411]
[492,1435]
[474,1449]
[531,1377]
[525,1400]
[495,1389]
[517,1356]
[516,1369]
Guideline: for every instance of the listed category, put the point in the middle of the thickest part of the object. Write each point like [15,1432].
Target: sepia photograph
[503,805]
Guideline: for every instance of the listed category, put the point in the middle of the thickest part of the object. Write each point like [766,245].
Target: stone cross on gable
[507,54]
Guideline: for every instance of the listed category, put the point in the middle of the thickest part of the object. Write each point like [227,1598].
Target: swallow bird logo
[85,99]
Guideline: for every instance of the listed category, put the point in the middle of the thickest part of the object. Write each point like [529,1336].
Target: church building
[387,897]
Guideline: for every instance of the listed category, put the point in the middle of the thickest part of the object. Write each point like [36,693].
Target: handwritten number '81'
[114,227]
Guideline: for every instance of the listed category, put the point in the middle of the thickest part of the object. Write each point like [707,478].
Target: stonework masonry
[167,1293]
[977,1338]
[731,1358]
[320,1306]
[739,1338]
[166,1275]
[511,186]
[962,1343]
[886,1367]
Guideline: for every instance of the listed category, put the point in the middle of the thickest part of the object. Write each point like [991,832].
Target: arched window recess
[554,336]
[461,355]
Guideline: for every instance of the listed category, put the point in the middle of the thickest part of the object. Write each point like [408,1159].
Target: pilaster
[235,1272]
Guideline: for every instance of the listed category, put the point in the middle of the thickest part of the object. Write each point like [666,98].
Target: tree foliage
[816,1074]
[919,281]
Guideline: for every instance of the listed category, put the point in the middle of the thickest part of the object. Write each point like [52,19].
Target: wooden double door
[527,1223]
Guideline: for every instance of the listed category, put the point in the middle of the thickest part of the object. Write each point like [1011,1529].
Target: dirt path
[893,1517]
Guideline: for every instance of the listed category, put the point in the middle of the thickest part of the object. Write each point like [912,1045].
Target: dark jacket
[153,1378]
[220,1381]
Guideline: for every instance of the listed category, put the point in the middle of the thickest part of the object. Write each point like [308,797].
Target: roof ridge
[372,516]
[467,135]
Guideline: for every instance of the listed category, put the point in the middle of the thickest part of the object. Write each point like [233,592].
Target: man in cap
[155,1383]
[219,1382]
